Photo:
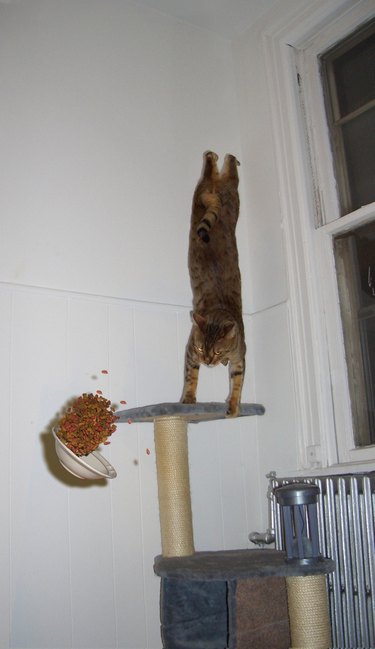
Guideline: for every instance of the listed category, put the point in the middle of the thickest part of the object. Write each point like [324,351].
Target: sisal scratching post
[172,465]
[171,450]
[308,612]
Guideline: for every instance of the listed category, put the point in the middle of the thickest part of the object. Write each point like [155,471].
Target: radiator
[346,513]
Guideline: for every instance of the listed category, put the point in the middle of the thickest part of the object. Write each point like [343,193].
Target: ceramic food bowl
[87,467]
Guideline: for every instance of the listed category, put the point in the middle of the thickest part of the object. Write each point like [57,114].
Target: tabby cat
[217,334]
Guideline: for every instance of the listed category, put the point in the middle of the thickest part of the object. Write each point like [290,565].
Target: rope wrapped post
[310,626]
[172,465]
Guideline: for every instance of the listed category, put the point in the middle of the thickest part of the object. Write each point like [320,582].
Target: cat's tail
[211,201]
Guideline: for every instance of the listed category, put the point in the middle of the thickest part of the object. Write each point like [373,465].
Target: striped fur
[217,333]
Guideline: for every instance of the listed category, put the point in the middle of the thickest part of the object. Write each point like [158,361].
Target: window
[349,79]
[348,74]
[320,71]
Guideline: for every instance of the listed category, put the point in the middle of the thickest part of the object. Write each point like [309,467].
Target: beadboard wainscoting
[77,562]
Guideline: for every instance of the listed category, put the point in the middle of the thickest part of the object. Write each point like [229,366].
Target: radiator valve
[262,538]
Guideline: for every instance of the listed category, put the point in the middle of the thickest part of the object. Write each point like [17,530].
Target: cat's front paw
[233,410]
[188,398]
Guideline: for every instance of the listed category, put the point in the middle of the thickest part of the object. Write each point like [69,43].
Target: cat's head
[213,342]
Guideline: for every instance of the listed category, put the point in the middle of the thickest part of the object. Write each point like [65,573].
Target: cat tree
[217,599]
[191,578]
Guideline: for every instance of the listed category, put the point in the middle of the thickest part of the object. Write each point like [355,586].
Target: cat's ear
[230,330]
[199,320]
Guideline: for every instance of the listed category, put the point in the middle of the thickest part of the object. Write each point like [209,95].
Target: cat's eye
[218,353]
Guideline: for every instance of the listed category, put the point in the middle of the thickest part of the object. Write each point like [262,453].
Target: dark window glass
[359,144]
[355,266]
[354,73]
[349,81]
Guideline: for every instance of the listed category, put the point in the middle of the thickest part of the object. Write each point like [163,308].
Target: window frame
[311,217]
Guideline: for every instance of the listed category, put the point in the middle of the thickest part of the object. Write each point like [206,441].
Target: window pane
[355,266]
[368,353]
[359,143]
[349,81]
[354,73]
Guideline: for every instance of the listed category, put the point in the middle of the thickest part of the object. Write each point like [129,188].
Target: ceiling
[225,17]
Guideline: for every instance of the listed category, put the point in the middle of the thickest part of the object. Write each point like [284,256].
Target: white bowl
[87,467]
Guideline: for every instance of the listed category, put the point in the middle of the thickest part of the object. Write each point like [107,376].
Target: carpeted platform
[191,412]
[237,564]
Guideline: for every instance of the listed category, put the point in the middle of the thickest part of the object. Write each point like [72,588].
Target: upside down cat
[217,333]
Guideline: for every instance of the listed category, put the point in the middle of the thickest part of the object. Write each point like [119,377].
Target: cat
[217,333]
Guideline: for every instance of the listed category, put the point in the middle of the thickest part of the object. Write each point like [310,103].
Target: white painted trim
[306,186]
[291,165]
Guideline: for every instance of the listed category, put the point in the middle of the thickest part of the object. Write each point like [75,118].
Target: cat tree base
[238,599]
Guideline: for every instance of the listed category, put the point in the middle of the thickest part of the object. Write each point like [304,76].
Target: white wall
[105,112]
[77,561]
[277,435]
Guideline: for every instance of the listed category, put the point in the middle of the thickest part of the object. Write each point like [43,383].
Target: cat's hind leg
[210,169]
[229,170]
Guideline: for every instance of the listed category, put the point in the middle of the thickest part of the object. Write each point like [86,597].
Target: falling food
[148,451]
[130,421]
[104,371]
[87,423]
[123,401]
